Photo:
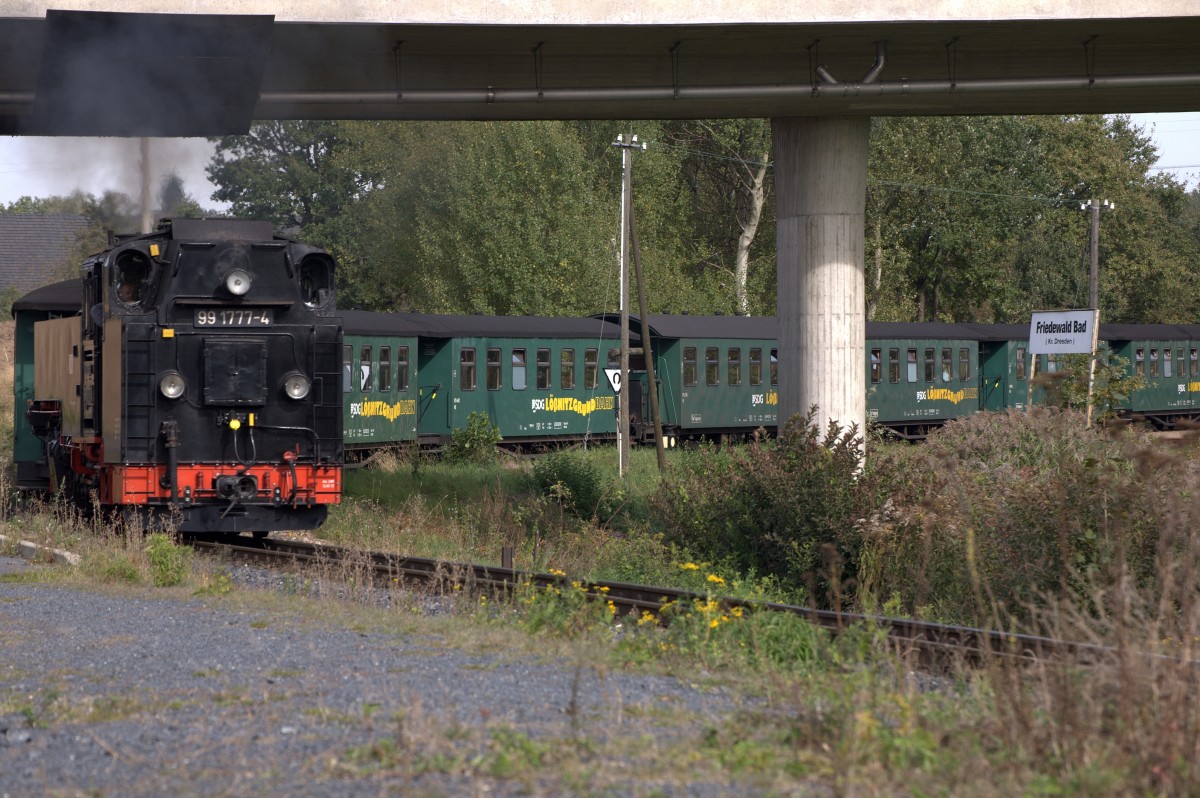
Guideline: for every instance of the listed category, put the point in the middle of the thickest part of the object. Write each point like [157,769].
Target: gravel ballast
[145,693]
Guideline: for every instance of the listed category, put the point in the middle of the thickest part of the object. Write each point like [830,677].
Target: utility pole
[1094,290]
[660,444]
[1094,272]
[626,205]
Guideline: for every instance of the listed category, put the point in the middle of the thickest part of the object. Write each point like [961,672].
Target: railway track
[933,642]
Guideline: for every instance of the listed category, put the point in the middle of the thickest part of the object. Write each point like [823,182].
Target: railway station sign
[1062,332]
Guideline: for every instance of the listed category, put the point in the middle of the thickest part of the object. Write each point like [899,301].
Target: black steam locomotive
[198,385]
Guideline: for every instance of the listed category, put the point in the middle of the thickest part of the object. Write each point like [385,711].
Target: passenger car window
[689,366]
[402,369]
[494,380]
[566,369]
[385,369]
[712,365]
[543,369]
[519,373]
[734,366]
[364,369]
[590,368]
[466,369]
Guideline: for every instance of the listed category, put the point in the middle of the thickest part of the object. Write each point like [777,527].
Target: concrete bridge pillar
[821,187]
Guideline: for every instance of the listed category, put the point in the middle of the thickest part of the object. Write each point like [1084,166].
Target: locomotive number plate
[233,317]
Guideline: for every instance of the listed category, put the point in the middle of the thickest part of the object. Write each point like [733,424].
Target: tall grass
[470,511]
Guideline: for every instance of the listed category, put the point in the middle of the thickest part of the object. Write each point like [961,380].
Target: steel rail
[969,644]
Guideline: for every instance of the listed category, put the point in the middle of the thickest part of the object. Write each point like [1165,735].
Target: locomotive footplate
[285,484]
[226,497]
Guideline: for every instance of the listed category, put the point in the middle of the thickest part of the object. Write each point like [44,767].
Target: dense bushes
[474,443]
[780,508]
[572,479]
[1008,507]
[997,510]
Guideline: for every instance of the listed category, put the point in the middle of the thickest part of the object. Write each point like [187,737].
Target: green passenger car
[380,379]
[717,376]
[921,375]
[1008,370]
[1168,359]
[537,379]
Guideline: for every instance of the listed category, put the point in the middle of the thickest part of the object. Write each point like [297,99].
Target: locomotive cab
[201,387]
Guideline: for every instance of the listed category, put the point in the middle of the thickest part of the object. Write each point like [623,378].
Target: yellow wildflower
[612,608]
[714,623]
[689,566]
[556,572]
[716,580]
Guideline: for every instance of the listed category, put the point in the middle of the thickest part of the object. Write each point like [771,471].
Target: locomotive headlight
[296,386]
[237,282]
[172,385]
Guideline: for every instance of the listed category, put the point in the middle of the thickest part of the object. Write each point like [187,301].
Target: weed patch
[170,563]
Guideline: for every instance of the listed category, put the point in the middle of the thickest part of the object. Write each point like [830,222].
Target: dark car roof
[767,327]
[670,325]
[1141,332]
[429,325]
[961,331]
[61,297]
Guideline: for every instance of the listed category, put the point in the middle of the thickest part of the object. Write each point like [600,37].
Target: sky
[50,166]
[44,167]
